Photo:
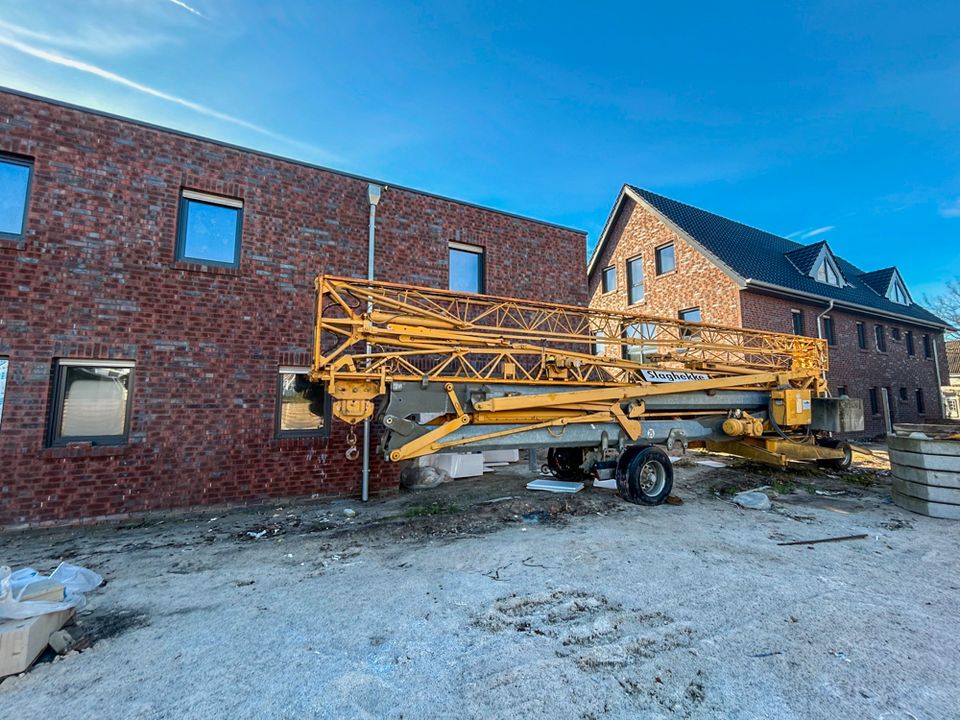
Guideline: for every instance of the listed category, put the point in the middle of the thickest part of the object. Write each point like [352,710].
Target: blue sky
[835,121]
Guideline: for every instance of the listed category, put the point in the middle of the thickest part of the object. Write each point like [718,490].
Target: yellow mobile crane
[601,389]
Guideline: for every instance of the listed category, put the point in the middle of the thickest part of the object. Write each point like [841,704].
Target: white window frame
[828,264]
[898,287]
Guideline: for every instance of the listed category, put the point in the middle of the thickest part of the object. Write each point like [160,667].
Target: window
[861,336]
[828,331]
[466,268]
[825,269]
[881,338]
[895,333]
[209,229]
[635,280]
[609,279]
[909,340]
[666,259]
[690,315]
[14,192]
[927,352]
[903,394]
[797,322]
[302,407]
[599,346]
[91,402]
[842,391]
[874,401]
[643,331]
[921,409]
[897,291]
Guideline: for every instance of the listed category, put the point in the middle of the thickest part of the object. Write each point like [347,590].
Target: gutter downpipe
[820,336]
[373,193]
[936,367]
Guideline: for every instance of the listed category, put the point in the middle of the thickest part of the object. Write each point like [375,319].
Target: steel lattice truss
[381,331]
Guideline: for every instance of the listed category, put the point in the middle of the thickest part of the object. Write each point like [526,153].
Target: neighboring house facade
[661,257]
[156,310]
[951,389]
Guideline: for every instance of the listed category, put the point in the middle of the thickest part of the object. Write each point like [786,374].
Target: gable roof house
[659,256]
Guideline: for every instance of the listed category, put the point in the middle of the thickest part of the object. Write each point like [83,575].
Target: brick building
[156,309]
[661,257]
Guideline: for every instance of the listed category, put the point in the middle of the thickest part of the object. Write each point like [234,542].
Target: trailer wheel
[565,462]
[644,475]
[839,463]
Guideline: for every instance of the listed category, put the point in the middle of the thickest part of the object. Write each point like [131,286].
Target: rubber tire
[564,463]
[843,464]
[628,475]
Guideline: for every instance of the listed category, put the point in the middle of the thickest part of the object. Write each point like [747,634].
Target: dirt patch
[106,623]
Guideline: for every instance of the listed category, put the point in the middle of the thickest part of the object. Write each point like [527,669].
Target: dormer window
[897,292]
[825,269]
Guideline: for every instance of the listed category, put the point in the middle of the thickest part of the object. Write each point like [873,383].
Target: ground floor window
[302,407]
[874,401]
[91,402]
[921,405]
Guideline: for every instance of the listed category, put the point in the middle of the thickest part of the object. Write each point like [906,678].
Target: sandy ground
[443,604]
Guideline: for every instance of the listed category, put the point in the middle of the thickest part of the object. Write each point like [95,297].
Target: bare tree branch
[947,306]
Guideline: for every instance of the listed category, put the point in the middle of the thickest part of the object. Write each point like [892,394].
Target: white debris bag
[752,500]
[76,581]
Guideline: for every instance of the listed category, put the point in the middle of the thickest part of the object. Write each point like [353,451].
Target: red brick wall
[696,281]
[859,370]
[95,277]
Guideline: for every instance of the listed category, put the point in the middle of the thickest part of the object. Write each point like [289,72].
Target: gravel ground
[444,604]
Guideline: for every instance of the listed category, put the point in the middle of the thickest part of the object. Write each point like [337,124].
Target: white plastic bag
[76,581]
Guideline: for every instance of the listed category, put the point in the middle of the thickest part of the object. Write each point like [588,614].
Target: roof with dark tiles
[758,255]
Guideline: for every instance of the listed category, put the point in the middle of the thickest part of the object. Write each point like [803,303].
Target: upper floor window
[609,279]
[927,350]
[666,256]
[861,336]
[302,407]
[91,402]
[466,268]
[828,331]
[909,341]
[881,338]
[209,229]
[798,328]
[827,273]
[897,291]
[14,193]
[635,280]
[895,333]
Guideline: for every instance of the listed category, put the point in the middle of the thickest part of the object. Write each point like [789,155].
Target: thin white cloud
[950,210]
[88,39]
[816,231]
[180,3]
[84,67]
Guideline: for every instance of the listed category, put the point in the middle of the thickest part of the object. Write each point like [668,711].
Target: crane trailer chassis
[604,391]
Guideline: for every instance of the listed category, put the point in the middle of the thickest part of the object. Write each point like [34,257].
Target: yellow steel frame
[585,361]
